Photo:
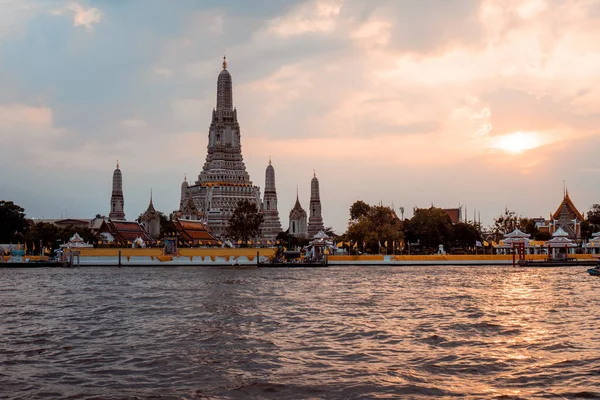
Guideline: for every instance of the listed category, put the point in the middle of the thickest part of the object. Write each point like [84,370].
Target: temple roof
[517,233]
[453,213]
[560,232]
[194,231]
[570,206]
[125,231]
[297,211]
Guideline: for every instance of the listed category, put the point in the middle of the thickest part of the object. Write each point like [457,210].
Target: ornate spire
[150,196]
[224,90]
[269,160]
[185,177]
[116,201]
[314,173]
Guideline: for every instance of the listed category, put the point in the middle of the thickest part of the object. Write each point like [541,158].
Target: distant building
[271,225]
[455,214]
[66,222]
[123,233]
[566,217]
[117,203]
[150,220]
[298,227]
[315,222]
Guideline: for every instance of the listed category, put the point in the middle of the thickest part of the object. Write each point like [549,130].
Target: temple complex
[150,220]
[566,217]
[315,221]
[117,202]
[271,226]
[223,181]
[298,226]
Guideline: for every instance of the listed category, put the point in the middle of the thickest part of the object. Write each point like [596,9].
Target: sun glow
[517,142]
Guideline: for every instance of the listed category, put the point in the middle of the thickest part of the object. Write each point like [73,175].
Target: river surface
[329,333]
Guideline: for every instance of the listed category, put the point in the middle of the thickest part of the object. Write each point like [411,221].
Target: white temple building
[298,226]
[223,181]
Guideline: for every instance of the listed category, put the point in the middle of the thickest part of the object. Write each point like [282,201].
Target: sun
[517,142]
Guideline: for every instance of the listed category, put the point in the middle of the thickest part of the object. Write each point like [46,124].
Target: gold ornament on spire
[224,62]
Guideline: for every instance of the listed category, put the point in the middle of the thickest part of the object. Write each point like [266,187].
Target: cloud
[396,100]
[85,17]
[315,16]
[24,117]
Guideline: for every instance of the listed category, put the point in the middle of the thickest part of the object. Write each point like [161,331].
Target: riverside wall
[247,256]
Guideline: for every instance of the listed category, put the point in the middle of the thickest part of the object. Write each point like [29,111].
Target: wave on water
[339,332]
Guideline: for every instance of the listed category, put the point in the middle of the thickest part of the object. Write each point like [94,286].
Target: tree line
[371,229]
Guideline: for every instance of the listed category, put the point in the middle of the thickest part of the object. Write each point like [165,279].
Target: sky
[489,104]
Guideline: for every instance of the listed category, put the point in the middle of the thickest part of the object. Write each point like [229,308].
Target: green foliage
[593,216]
[587,229]
[329,232]
[12,222]
[167,225]
[505,223]
[465,234]
[51,236]
[431,227]
[374,226]
[359,209]
[245,222]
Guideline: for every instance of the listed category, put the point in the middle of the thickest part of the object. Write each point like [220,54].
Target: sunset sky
[489,104]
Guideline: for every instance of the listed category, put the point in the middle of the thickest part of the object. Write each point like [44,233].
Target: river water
[330,333]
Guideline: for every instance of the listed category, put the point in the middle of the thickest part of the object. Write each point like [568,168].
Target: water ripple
[341,332]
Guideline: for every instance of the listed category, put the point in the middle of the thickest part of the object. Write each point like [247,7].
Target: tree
[12,221]
[374,227]
[505,223]
[359,209]
[166,224]
[431,227]
[329,232]
[245,222]
[465,235]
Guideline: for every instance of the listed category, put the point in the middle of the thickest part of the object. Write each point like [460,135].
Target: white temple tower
[315,221]
[117,203]
[271,226]
[223,181]
[297,220]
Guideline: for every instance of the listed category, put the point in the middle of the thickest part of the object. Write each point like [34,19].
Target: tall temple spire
[271,226]
[117,203]
[315,221]
[223,181]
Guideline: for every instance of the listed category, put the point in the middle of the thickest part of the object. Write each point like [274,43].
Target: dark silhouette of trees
[13,224]
[244,223]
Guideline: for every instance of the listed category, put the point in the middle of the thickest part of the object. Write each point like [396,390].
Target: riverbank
[215,257]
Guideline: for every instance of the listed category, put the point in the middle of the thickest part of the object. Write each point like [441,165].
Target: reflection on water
[345,332]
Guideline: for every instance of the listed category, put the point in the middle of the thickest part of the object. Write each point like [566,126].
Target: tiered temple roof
[195,232]
[124,233]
